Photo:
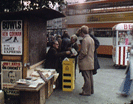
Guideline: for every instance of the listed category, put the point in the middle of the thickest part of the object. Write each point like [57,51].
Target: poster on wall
[11,37]
[10,73]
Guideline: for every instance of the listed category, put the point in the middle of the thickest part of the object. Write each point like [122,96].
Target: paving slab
[106,84]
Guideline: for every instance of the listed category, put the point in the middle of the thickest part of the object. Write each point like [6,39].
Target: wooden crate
[12,99]
[49,87]
[32,96]
[11,96]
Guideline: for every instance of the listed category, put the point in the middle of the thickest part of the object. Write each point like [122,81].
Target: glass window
[123,38]
[103,32]
[114,38]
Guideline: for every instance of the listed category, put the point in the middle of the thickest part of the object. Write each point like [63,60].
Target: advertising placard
[110,17]
[11,37]
[11,72]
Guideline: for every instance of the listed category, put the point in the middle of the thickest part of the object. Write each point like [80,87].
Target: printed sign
[11,37]
[56,23]
[11,72]
[110,17]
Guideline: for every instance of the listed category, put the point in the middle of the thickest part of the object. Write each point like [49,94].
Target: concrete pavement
[106,84]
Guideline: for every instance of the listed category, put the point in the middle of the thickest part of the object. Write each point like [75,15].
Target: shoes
[122,94]
[131,102]
[83,94]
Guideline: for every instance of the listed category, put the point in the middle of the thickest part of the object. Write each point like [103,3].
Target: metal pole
[22,5]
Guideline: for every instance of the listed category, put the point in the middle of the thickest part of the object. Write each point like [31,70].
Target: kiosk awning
[45,13]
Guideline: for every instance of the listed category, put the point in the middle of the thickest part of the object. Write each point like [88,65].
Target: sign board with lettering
[56,23]
[11,37]
[123,26]
[10,73]
[110,17]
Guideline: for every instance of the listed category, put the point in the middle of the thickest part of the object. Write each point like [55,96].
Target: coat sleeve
[76,47]
[55,53]
[84,50]
[97,43]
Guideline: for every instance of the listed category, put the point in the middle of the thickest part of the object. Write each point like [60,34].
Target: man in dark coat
[53,59]
[96,63]
[65,41]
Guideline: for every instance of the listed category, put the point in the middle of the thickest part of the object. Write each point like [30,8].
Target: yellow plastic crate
[67,86]
[69,66]
[68,75]
[68,81]
[67,89]
[68,78]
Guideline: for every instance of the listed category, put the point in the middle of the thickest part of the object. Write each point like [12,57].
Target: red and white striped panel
[122,55]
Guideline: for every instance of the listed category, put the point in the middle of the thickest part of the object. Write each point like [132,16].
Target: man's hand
[68,52]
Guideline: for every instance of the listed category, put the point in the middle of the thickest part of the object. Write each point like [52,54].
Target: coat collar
[86,35]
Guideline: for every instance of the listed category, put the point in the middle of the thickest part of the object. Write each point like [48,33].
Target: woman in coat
[126,87]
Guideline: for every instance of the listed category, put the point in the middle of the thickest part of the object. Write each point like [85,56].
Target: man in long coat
[86,60]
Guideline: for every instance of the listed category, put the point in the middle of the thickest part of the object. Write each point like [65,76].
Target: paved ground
[106,85]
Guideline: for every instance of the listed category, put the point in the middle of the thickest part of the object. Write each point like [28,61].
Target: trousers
[88,82]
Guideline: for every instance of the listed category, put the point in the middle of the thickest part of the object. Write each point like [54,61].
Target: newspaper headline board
[11,72]
[11,37]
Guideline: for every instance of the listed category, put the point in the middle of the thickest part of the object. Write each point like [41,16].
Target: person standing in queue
[74,46]
[65,41]
[86,60]
[59,41]
[53,60]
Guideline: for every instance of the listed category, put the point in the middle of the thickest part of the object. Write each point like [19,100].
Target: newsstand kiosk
[23,44]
